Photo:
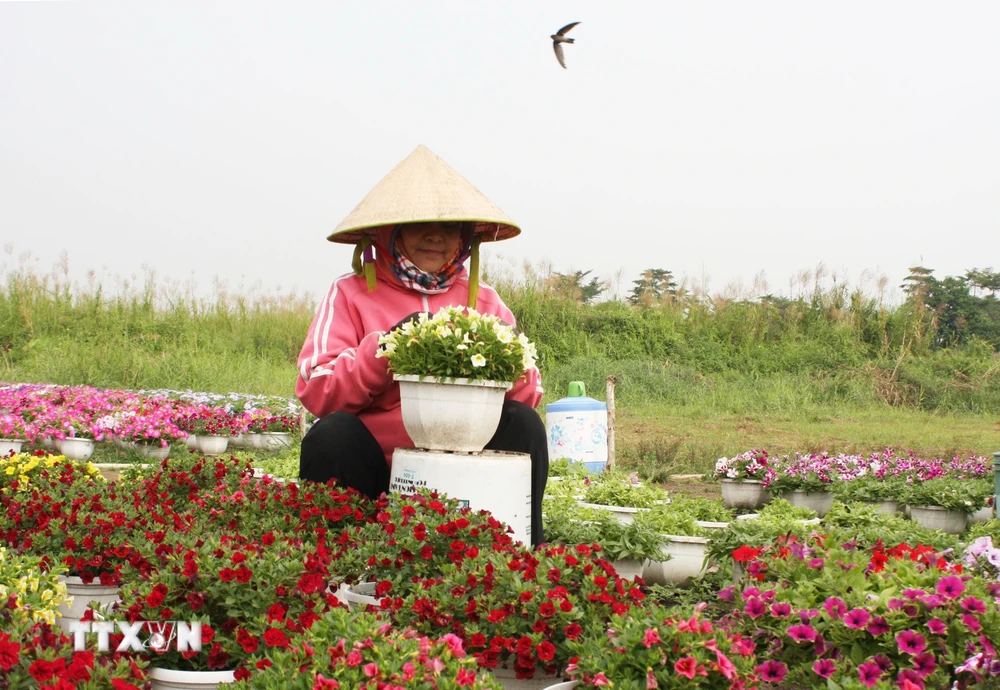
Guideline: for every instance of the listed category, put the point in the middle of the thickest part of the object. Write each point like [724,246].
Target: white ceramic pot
[748,493]
[685,560]
[191,442]
[458,415]
[568,685]
[888,507]
[80,596]
[252,441]
[7,445]
[211,445]
[622,514]
[357,597]
[508,679]
[982,515]
[628,568]
[819,501]
[153,451]
[169,679]
[936,517]
[705,524]
[276,440]
[76,448]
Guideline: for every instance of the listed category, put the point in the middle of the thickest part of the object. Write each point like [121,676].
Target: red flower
[275,637]
[686,667]
[155,598]
[745,554]
[9,652]
[119,684]
[227,574]
[546,651]
[276,613]
[547,610]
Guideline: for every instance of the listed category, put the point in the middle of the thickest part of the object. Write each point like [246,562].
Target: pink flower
[910,642]
[454,643]
[878,626]
[971,622]
[651,683]
[754,607]
[802,633]
[824,668]
[686,667]
[600,679]
[973,605]
[857,619]
[835,608]
[771,671]
[869,674]
[937,626]
[781,609]
[651,637]
[353,659]
[924,664]
[371,670]
[950,587]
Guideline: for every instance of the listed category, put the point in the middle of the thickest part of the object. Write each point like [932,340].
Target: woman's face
[430,245]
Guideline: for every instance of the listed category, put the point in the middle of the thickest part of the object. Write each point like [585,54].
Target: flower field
[860,598]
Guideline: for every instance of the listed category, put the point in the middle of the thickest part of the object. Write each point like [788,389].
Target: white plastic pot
[685,560]
[568,685]
[169,679]
[509,680]
[982,515]
[211,445]
[628,568]
[252,441]
[747,493]
[358,596]
[889,507]
[457,415]
[622,514]
[153,451]
[936,517]
[819,501]
[191,442]
[80,596]
[496,481]
[276,440]
[10,444]
[76,448]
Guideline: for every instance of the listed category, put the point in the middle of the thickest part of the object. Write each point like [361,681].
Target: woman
[417,266]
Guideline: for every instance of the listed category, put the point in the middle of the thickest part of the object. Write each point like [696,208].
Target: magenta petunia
[754,608]
[937,626]
[924,664]
[869,674]
[971,622]
[772,671]
[950,587]
[857,619]
[781,609]
[909,642]
[878,626]
[824,668]
[973,605]
[802,633]
[835,607]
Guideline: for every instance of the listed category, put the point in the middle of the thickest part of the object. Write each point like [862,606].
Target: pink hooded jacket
[338,370]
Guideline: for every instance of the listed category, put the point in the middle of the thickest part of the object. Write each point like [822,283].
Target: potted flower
[804,481]
[14,432]
[212,428]
[945,502]
[267,431]
[360,650]
[881,492]
[684,554]
[149,429]
[621,495]
[75,434]
[652,649]
[454,369]
[742,478]
[246,595]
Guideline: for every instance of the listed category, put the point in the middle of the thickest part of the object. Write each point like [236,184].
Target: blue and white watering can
[577,428]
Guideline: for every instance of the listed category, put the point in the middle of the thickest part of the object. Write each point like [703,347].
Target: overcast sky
[713,139]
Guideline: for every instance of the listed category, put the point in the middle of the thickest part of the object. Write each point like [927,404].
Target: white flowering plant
[752,465]
[458,343]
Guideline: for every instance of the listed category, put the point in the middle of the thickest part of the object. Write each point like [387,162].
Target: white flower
[461,346]
[478,360]
[504,334]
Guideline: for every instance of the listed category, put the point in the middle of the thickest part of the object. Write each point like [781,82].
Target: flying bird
[558,38]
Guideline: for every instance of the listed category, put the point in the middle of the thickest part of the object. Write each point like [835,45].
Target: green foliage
[967,495]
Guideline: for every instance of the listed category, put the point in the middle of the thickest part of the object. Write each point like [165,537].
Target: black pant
[339,446]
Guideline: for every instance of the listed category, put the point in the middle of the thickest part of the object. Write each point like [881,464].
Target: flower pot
[507,676]
[252,441]
[686,561]
[889,507]
[79,597]
[76,448]
[211,445]
[936,517]
[153,451]
[456,415]
[628,568]
[276,440]
[705,524]
[622,514]
[984,514]
[237,441]
[747,493]
[568,685]
[191,442]
[819,501]
[169,679]
[8,445]
[358,596]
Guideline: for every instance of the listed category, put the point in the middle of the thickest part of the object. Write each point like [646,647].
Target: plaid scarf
[422,281]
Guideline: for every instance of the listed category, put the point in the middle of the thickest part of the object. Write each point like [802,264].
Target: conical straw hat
[423,188]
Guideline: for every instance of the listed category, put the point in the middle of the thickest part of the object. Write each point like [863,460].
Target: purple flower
[806,615]
[971,622]
[973,605]
[909,642]
[772,671]
[869,674]
[802,633]
[878,626]
[754,608]
[750,592]
[924,664]
[824,668]
[816,563]
[727,593]
[883,662]
[896,603]
[950,587]
[937,626]
[913,594]
[781,609]
[857,619]
[835,607]
[932,601]
[908,674]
